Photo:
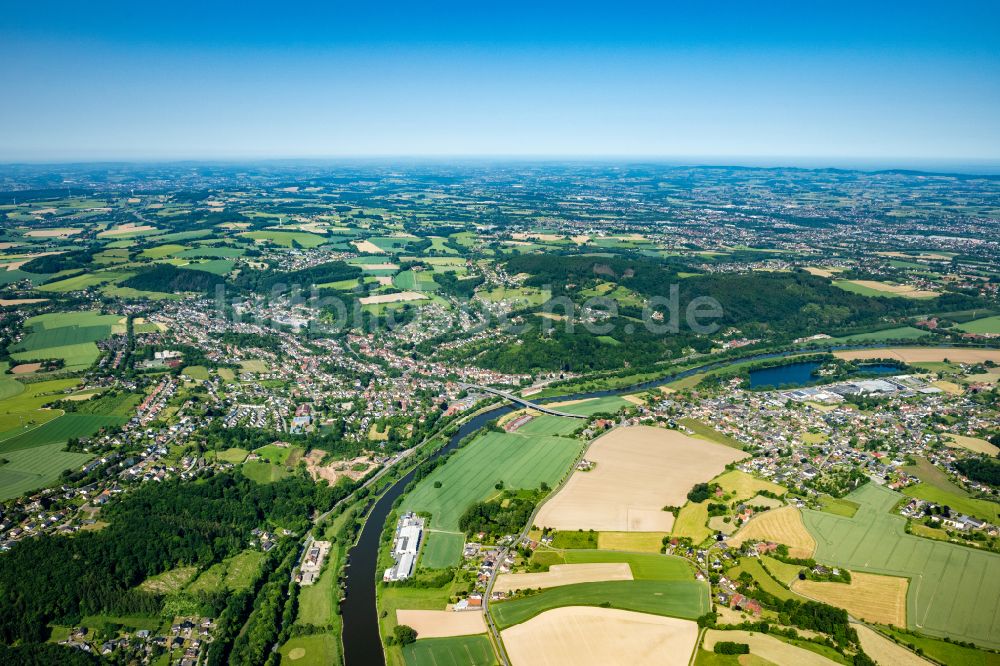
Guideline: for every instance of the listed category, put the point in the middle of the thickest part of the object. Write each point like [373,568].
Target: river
[362,643]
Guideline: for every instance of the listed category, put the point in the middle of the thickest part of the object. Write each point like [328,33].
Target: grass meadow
[455,651]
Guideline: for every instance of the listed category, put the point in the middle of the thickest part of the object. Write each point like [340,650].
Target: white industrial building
[405,546]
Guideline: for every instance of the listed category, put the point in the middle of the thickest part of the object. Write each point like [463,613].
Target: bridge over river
[521,401]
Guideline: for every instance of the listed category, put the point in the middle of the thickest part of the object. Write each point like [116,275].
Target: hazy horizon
[892,83]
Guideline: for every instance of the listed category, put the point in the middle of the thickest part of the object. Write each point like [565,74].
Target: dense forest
[169,279]
[980,469]
[61,578]
[262,281]
[496,518]
[777,306]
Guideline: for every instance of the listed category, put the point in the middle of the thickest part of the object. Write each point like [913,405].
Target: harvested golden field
[870,597]
[634,542]
[590,636]
[20,301]
[782,525]
[743,486]
[367,246]
[442,623]
[564,574]
[640,469]
[974,444]
[896,289]
[392,298]
[692,521]
[127,228]
[767,647]
[822,272]
[52,233]
[884,651]
[924,354]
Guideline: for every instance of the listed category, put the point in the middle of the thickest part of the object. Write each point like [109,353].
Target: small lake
[801,374]
[791,374]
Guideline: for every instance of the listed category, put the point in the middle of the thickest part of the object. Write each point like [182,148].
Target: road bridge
[521,401]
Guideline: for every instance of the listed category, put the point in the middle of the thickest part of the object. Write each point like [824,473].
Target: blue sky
[820,82]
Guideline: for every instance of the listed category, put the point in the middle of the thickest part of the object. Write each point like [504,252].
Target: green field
[215,266]
[83,281]
[608,404]
[685,599]
[766,582]
[75,357]
[312,650]
[198,372]
[415,281]
[706,432]
[28,469]
[644,566]
[946,653]
[526,296]
[66,335]
[59,430]
[233,573]
[838,506]
[263,472]
[974,507]
[953,590]
[469,476]
[901,333]
[454,651]
[276,455]
[549,425]
[442,549]
[985,325]
[287,238]
[161,251]
[234,455]
[212,253]
[520,461]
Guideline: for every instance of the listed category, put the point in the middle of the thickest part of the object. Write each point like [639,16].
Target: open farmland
[66,335]
[28,469]
[520,461]
[984,509]
[691,522]
[608,404]
[59,430]
[987,325]
[639,471]
[870,597]
[743,486]
[768,647]
[455,651]
[585,636]
[884,650]
[286,238]
[442,623]
[782,525]
[563,574]
[953,590]
[686,599]
[974,444]
[924,354]
[878,288]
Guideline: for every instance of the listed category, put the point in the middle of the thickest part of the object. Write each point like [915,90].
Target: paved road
[521,401]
